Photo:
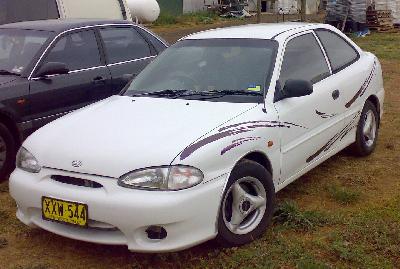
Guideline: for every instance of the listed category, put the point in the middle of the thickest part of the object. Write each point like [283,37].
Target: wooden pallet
[380,20]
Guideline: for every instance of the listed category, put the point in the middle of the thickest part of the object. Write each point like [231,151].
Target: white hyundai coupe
[197,146]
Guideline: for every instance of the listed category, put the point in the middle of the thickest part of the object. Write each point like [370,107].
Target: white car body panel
[150,137]
[122,134]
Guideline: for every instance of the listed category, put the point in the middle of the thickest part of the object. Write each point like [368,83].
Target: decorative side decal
[238,142]
[364,87]
[324,115]
[238,128]
[339,136]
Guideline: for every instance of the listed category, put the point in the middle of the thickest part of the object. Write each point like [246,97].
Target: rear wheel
[367,131]
[247,205]
[7,152]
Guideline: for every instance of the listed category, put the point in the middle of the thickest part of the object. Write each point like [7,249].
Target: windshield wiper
[168,93]
[6,72]
[204,94]
[233,92]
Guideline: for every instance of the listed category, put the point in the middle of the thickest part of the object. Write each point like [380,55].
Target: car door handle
[335,94]
[99,80]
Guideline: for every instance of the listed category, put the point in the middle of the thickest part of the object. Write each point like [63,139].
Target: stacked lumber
[380,20]
[393,5]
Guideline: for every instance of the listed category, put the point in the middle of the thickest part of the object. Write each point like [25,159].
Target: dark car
[49,68]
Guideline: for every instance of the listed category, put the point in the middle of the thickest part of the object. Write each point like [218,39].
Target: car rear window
[340,52]
[124,44]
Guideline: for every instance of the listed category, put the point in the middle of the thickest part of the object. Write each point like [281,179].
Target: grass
[195,18]
[3,242]
[383,45]
[32,266]
[343,214]
[289,214]
[343,195]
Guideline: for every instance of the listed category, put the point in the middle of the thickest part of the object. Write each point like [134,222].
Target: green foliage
[311,264]
[202,17]
[342,195]
[166,19]
[383,45]
[290,215]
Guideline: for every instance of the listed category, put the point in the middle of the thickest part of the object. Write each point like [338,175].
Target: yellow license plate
[64,211]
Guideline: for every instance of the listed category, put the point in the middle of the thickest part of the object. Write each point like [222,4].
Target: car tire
[248,184]
[366,137]
[7,152]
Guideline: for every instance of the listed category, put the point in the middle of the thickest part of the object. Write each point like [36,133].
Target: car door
[351,72]
[127,53]
[318,114]
[86,82]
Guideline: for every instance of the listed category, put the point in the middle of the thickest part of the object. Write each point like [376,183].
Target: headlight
[26,161]
[163,178]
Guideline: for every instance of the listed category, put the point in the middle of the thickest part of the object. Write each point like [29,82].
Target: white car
[200,142]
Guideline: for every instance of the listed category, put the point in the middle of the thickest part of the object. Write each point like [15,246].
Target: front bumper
[120,216]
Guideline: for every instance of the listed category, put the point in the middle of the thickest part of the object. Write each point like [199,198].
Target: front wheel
[7,152]
[247,205]
[367,131]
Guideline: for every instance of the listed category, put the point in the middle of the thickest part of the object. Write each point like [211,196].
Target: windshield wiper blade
[234,92]
[6,72]
[163,93]
[171,93]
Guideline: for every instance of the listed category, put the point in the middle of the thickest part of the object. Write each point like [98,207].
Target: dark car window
[210,65]
[340,52]
[304,60]
[18,47]
[155,41]
[27,10]
[124,44]
[78,51]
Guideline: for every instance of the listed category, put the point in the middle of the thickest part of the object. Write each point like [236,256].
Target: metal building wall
[173,7]
[192,5]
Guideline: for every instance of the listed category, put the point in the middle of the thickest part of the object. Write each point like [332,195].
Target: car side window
[340,53]
[124,44]
[303,60]
[158,45]
[77,50]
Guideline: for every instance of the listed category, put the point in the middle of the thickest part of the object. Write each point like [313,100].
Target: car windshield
[225,66]
[18,47]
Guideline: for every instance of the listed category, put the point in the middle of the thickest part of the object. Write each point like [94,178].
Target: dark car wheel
[367,131]
[247,205]
[7,152]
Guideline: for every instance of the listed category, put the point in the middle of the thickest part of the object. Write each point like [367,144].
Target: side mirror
[52,68]
[296,88]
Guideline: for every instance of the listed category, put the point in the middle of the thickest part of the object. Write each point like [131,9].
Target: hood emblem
[76,164]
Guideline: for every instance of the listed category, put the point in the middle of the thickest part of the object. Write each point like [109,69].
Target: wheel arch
[375,101]
[260,158]
[8,121]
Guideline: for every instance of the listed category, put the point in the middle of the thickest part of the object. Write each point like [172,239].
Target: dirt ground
[343,214]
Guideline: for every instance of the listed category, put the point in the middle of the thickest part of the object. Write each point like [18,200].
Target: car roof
[253,31]
[59,25]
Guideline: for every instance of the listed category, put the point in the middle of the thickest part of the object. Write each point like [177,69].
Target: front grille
[77,181]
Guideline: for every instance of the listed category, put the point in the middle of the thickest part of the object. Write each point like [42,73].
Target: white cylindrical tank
[144,10]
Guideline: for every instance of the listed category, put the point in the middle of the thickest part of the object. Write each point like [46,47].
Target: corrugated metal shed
[173,7]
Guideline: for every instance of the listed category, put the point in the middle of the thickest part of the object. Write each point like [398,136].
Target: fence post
[258,11]
[303,10]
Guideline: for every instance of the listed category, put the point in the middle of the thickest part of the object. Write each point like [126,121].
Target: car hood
[122,134]
[6,79]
